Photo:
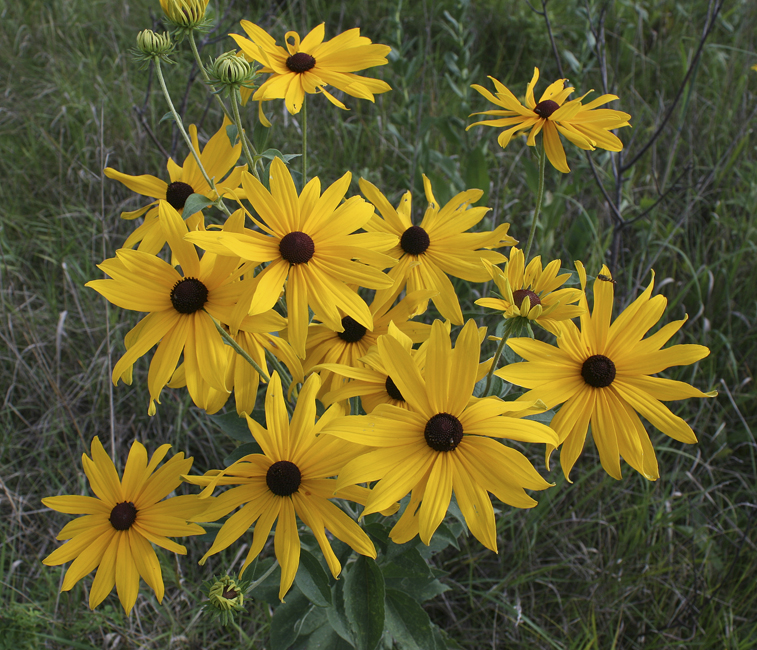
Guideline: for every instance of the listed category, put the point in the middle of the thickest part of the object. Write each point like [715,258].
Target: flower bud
[225,597]
[184,14]
[231,70]
[151,44]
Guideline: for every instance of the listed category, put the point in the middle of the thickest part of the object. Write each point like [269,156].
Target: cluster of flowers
[246,302]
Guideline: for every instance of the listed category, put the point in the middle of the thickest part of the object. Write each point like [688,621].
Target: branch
[712,15]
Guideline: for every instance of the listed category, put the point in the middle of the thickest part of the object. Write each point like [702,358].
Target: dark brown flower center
[123,515]
[283,478]
[393,391]
[230,593]
[415,240]
[296,247]
[598,371]
[300,62]
[520,294]
[177,194]
[443,432]
[546,108]
[353,331]
[189,295]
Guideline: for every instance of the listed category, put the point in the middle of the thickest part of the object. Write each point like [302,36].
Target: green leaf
[167,117]
[195,203]
[364,602]
[407,622]
[242,451]
[411,574]
[477,173]
[233,133]
[270,154]
[336,614]
[233,426]
[288,620]
[312,580]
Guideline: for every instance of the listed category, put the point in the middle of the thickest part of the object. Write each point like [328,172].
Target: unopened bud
[152,44]
[185,14]
[230,69]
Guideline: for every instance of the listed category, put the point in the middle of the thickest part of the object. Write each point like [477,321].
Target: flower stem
[304,141]
[179,123]
[240,132]
[505,335]
[262,578]
[539,195]
[251,160]
[239,350]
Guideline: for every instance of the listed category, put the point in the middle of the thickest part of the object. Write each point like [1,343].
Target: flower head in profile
[443,443]
[256,336]
[585,125]
[532,292]
[185,14]
[307,66]
[308,240]
[438,247]
[602,374]
[121,521]
[180,306]
[218,157]
[289,479]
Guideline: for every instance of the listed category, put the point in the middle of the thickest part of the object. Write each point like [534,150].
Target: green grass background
[598,563]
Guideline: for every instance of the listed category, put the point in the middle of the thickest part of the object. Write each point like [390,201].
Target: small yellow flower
[584,125]
[218,157]
[121,521]
[438,247]
[533,293]
[307,66]
[443,443]
[290,479]
[602,374]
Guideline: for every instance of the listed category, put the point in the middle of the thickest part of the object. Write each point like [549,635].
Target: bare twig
[712,13]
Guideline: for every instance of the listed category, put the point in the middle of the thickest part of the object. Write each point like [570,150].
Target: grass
[597,564]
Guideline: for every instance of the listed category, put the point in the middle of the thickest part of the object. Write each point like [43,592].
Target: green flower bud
[226,594]
[151,44]
[229,69]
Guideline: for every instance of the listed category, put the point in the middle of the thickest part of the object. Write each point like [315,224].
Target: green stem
[505,335]
[179,123]
[204,73]
[242,135]
[238,349]
[304,141]
[539,196]
[260,580]
[251,161]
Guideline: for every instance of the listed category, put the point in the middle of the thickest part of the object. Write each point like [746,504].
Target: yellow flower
[218,157]
[308,66]
[290,477]
[602,374]
[307,240]
[254,337]
[180,307]
[121,520]
[442,442]
[438,247]
[533,292]
[582,124]
[325,346]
